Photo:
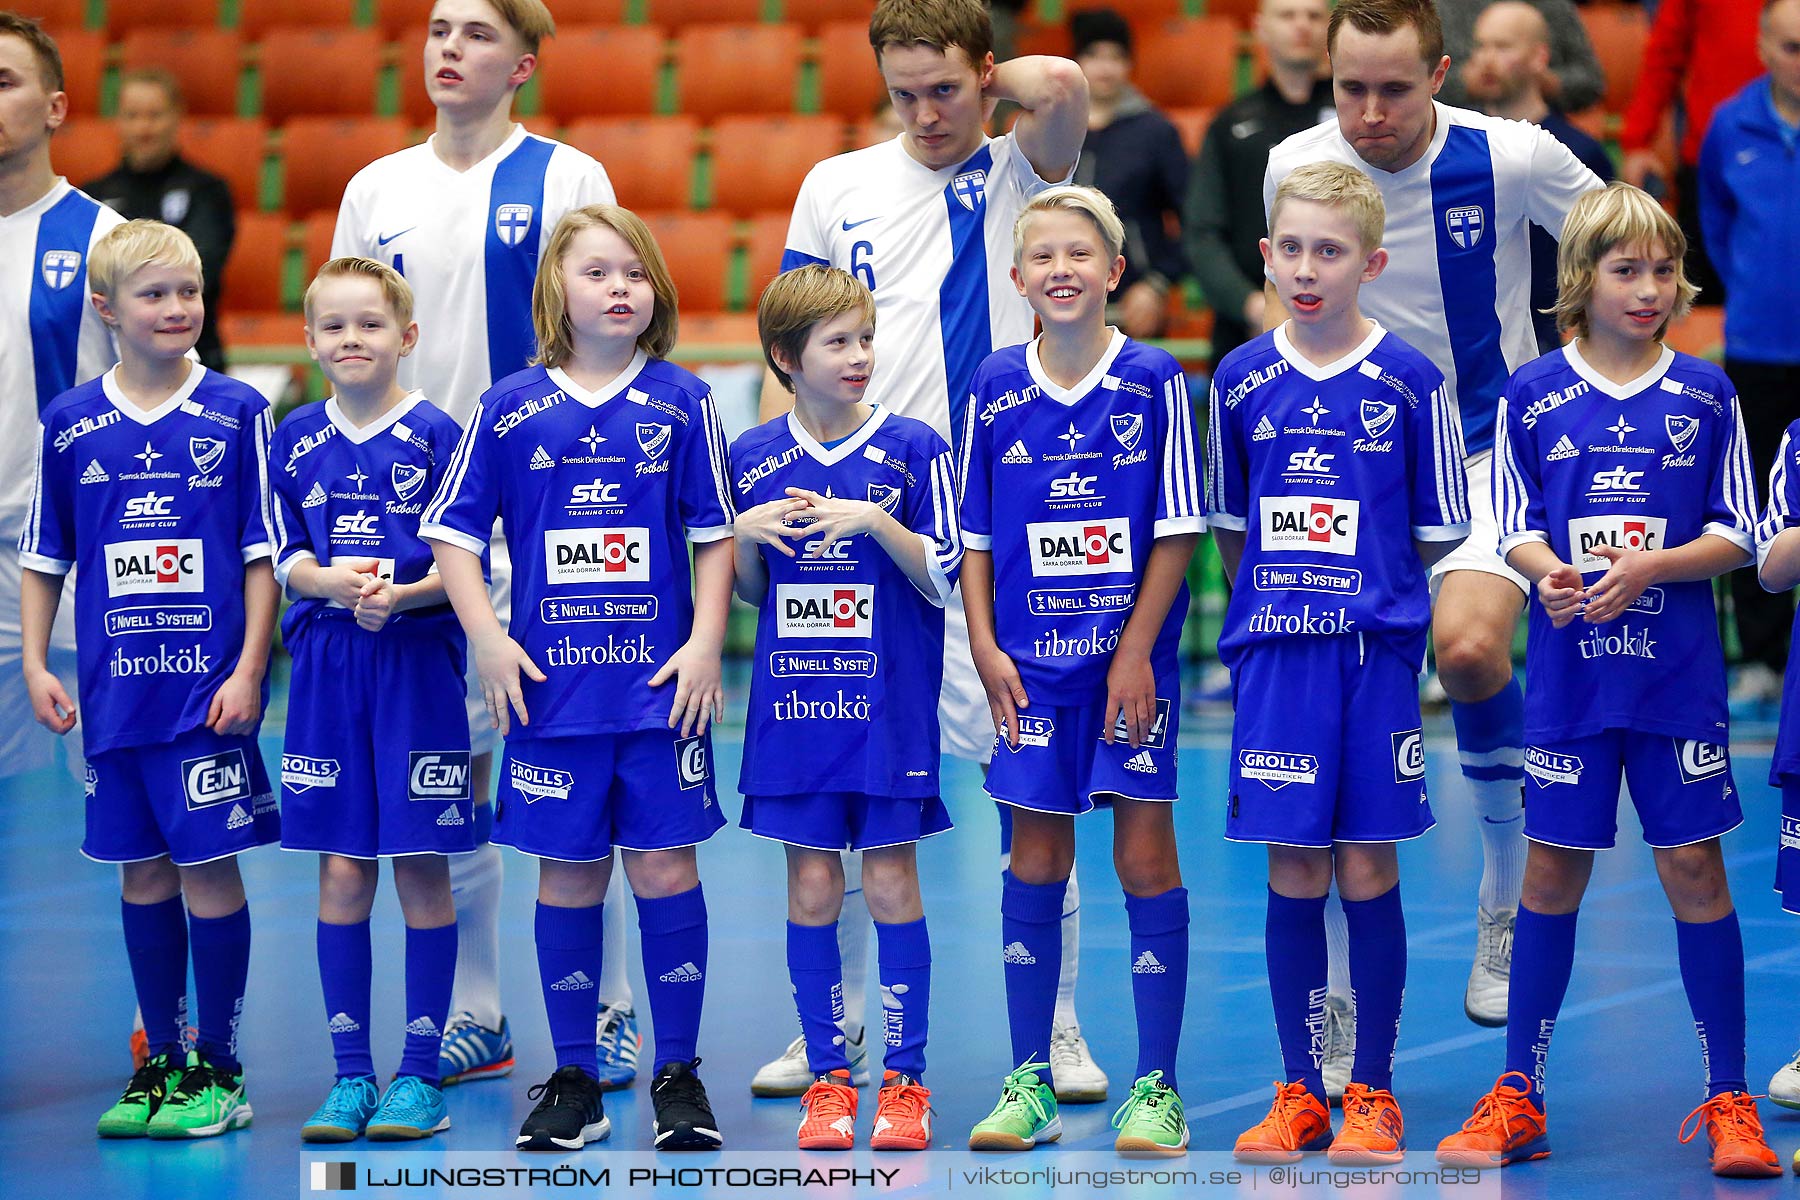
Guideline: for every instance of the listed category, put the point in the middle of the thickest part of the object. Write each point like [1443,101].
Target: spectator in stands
[1134,155]
[1748,178]
[1570,81]
[1505,79]
[1706,50]
[152,180]
[1224,216]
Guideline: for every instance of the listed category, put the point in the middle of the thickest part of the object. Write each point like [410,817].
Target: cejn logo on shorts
[824,610]
[540,783]
[1700,760]
[155,565]
[1153,738]
[1619,532]
[619,555]
[437,775]
[1409,755]
[1312,523]
[215,779]
[690,762]
[1100,547]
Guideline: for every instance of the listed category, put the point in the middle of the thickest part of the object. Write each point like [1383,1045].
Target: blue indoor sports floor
[1625,1067]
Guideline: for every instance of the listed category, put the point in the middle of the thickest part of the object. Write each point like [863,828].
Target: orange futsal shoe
[1506,1127]
[1373,1133]
[902,1114]
[1298,1122]
[140,1049]
[1735,1133]
[830,1107]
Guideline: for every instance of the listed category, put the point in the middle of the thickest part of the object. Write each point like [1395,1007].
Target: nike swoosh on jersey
[382,241]
[849,224]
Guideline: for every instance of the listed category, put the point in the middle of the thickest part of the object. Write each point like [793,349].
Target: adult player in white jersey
[925,220]
[1461,190]
[464,217]
[50,340]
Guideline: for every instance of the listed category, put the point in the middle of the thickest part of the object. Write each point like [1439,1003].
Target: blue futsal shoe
[617,1043]
[471,1051]
[411,1109]
[345,1113]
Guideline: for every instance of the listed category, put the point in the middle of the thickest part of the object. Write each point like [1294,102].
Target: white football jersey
[935,247]
[1458,279]
[468,242]
[50,336]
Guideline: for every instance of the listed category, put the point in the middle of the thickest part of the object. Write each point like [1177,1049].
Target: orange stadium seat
[84,69]
[1700,333]
[1618,32]
[759,162]
[59,16]
[1242,11]
[208,63]
[815,13]
[85,148]
[406,20]
[233,148]
[698,247]
[1189,64]
[315,243]
[1138,12]
[768,238]
[737,68]
[319,72]
[320,154]
[258,257]
[676,13]
[700,330]
[849,81]
[649,159]
[123,16]
[268,328]
[1035,37]
[257,17]
[1191,123]
[601,70]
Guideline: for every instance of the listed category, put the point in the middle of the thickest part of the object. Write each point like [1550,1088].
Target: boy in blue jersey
[1336,443]
[841,745]
[151,485]
[376,761]
[1623,486]
[602,463]
[1080,510]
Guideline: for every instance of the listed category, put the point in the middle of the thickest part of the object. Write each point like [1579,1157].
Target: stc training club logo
[1080,547]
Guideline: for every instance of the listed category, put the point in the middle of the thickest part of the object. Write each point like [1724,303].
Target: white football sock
[1071,955]
[615,980]
[1500,814]
[475,888]
[1337,946]
[853,929]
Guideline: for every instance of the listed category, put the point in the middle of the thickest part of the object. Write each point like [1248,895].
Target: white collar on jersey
[360,434]
[1605,386]
[109,383]
[605,391]
[843,449]
[1308,368]
[486,165]
[1063,395]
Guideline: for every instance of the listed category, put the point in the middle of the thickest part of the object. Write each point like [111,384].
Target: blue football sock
[346,966]
[904,968]
[221,950]
[156,942]
[430,973]
[1159,975]
[1712,971]
[817,972]
[570,949]
[1543,959]
[674,938]
[1378,980]
[1031,933]
[1487,730]
[1294,940]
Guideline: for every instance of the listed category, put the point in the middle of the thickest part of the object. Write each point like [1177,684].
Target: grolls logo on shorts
[597,555]
[1033,731]
[1700,760]
[1548,768]
[1276,769]
[438,775]
[539,783]
[824,610]
[1080,547]
[690,762]
[1621,533]
[215,779]
[302,773]
[1313,523]
[177,565]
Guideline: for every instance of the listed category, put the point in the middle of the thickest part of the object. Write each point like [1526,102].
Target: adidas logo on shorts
[1147,964]
[238,818]
[1564,448]
[343,1023]
[541,461]
[450,817]
[574,981]
[1016,454]
[1017,953]
[426,1027]
[314,498]
[1141,761]
[95,473]
[687,972]
[1264,430]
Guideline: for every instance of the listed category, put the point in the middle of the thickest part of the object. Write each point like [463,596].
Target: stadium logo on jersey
[85,426]
[60,267]
[597,555]
[539,783]
[1377,417]
[1310,523]
[1033,731]
[1128,429]
[1276,770]
[1153,738]
[1465,225]
[1550,401]
[207,453]
[1548,768]
[1700,760]
[1265,429]
[1080,547]
[216,779]
[1409,755]
[1564,448]
[300,773]
[1621,533]
[509,421]
[512,222]
[1016,455]
[437,775]
[1006,400]
[824,610]
[970,189]
[691,766]
[178,565]
[768,466]
[1254,380]
[407,480]
[886,496]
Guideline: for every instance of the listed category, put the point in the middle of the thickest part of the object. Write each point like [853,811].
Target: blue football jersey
[158,511]
[1331,473]
[1068,488]
[1783,513]
[849,652]
[599,493]
[1581,461]
[340,493]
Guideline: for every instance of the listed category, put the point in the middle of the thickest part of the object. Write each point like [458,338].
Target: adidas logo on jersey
[687,972]
[1141,761]
[1264,430]
[1147,964]
[1564,448]
[1017,953]
[450,817]
[238,818]
[343,1023]
[575,981]
[314,498]
[541,461]
[1016,454]
[426,1027]
[95,473]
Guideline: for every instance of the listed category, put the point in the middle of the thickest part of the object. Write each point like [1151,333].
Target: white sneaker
[1485,998]
[790,1076]
[1340,1046]
[1784,1087]
[1079,1079]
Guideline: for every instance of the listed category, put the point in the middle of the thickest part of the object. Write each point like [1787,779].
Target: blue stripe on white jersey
[963,298]
[1462,199]
[59,293]
[511,252]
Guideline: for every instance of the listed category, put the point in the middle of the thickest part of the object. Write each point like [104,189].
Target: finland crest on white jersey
[935,247]
[468,242]
[1458,280]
